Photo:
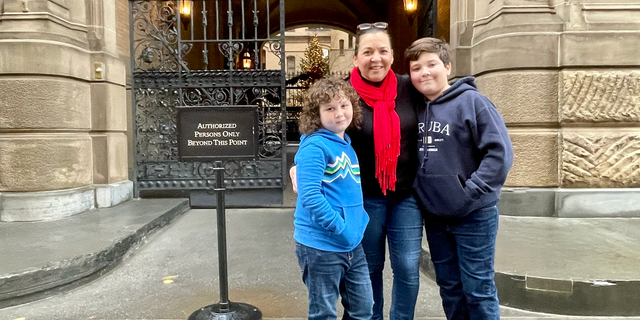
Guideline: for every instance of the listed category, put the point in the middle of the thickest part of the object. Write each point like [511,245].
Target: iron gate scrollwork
[206,53]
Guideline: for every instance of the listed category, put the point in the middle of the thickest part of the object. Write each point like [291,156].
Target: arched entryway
[431,18]
[198,53]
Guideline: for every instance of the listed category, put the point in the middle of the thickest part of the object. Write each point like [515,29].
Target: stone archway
[347,14]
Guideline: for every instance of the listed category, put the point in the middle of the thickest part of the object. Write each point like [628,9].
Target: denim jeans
[463,252]
[329,275]
[399,221]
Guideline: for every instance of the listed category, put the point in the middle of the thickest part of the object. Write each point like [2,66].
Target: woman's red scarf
[386,125]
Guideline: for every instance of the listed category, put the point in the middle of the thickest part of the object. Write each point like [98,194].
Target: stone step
[43,258]
[571,203]
[582,267]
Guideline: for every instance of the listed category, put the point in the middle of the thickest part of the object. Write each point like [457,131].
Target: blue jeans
[463,252]
[399,221]
[328,275]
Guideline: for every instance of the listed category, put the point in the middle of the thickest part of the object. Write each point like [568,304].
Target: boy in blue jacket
[330,219]
[464,156]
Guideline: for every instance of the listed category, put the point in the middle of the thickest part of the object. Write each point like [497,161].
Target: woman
[386,149]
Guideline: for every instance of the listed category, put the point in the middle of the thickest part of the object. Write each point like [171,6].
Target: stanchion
[225,309]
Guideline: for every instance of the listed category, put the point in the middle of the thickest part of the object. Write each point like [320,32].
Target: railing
[293,78]
[296,88]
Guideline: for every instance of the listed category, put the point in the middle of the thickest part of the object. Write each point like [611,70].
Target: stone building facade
[63,107]
[565,75]
[338,44]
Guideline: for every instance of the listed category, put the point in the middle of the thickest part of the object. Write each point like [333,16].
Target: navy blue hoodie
[329,214]
[464,151]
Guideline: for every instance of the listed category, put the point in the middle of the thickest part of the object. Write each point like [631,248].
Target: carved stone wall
[563,69]
[62,107]
[602,158]
[600,96]
[531,113]
[607,155]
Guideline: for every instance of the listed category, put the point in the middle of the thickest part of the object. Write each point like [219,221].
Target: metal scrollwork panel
[155,38]
[194,175]
[221,96]
[191,62]
[155,123]
[270,129]
[209,79]
[274,47]
[230,51]
[156,118]
[206,96]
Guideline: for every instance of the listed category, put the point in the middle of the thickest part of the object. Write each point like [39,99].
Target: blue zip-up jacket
[329,212]
[464,150]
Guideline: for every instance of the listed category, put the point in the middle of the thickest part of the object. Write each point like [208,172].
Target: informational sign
[215,133]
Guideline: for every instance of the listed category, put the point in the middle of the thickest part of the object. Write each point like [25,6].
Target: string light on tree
[314,64]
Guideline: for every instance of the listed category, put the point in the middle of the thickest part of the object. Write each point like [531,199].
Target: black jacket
[362,142]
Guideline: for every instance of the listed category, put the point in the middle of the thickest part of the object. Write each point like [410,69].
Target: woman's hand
[294,182]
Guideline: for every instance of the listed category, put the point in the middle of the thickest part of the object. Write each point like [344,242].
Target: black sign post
[216,133]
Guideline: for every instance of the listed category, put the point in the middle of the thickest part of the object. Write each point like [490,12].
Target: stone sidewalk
[117,265]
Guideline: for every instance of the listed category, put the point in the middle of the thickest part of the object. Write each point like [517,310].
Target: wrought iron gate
[207,53]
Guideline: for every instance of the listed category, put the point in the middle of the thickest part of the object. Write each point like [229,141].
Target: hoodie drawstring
[425,139]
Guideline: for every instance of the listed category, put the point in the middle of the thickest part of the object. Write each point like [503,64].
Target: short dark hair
[431,45]
[323,91]
[360,33]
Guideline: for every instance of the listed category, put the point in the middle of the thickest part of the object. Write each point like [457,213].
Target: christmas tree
[314,65]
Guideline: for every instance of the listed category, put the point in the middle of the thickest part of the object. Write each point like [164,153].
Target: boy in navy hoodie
[330,218]
[464,156]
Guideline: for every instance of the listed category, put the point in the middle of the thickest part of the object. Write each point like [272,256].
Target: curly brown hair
[323,91]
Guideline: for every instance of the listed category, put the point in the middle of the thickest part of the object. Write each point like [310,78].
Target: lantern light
[246,60]
[185,13]
[411,8]
[410,5]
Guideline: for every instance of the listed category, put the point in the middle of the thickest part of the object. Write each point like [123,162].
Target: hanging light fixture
[185,12]
[246,60]
[411,7]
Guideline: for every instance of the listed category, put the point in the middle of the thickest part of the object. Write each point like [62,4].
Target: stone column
[565,75]
[63,148]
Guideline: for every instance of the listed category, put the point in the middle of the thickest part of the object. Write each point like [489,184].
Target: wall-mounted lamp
[185,12]
[411,7]
[246,60]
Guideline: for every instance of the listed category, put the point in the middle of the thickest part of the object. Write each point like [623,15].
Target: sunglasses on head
[377,25]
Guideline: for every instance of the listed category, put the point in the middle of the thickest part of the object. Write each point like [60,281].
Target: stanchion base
[236,311]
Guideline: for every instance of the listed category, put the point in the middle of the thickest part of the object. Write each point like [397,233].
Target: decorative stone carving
[601,159]
[95,24]
[600,96]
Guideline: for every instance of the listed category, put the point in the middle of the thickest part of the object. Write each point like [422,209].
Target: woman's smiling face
[374,56]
